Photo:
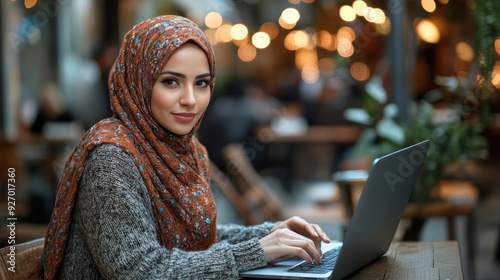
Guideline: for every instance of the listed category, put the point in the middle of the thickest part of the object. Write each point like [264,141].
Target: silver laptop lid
[380,208]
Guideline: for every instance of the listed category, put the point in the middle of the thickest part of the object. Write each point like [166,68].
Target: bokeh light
[213,20]
[377,15]
[360,71]
[326,66]
[301,39]
[346,32]
[247,52]
[294,1]
[271,29]
[464,51]
[212,36]
[290,41]
[345,47]
[428,5]
[239,31]
[304,57]
[497,46]
[223,33]
[347,13]
[310,73]
[428,31]
[367,13]
[326,40]
[30,3]
[359,7]
[290,15]
[286,25]
[261,40]
[495,75]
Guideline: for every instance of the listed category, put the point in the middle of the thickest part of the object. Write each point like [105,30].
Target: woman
[133,201]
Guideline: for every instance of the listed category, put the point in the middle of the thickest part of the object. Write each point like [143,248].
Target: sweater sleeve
[120,230]
[237,233]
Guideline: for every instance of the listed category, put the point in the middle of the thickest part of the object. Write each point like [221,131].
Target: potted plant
[447,116]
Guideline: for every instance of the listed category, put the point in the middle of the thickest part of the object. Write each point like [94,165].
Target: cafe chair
[256,202]
[28,256]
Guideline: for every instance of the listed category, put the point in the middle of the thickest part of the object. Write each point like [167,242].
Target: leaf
[375,89]
[358,116]
[390,130]
[391,111]
[451,83]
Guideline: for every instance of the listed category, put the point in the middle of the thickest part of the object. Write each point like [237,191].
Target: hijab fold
[174,167]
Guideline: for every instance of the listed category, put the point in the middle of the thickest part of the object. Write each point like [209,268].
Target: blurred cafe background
[308,93]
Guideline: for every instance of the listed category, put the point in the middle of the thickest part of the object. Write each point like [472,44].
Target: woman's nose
[188,97]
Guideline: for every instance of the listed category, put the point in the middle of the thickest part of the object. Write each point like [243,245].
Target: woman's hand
[294,237]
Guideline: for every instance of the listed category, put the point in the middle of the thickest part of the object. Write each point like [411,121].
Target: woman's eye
[202,83]
[169,82]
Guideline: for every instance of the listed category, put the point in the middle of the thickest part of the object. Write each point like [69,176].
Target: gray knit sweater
[113,234]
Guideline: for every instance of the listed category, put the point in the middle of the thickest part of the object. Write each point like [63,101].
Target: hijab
[174,167]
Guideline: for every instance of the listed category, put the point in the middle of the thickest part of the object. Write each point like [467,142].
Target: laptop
[372,227]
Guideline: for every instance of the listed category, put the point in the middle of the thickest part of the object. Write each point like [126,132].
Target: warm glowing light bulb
[290,15]
[213,20]
[428,31]
[428,5]
[359,7]
[239,31]
[347,13]
[261,40]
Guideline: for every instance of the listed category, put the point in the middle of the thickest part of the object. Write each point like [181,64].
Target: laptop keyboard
[328,260]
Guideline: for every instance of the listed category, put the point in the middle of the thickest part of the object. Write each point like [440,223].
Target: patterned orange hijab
[174,168]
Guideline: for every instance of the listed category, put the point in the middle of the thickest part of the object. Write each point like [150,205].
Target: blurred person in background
[134,200]
[92,102]
[51,108]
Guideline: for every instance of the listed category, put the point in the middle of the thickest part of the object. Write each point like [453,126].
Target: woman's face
[182,91]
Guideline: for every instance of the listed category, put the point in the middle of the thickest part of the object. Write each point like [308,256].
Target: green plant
[445,116]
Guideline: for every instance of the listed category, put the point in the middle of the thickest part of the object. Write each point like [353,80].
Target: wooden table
[415,260]
[338,134]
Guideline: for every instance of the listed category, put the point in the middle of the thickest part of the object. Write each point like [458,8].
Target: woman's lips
[185,117]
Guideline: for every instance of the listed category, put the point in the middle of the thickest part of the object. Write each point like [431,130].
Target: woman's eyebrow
[177,74]
[173,73]
[203,76]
